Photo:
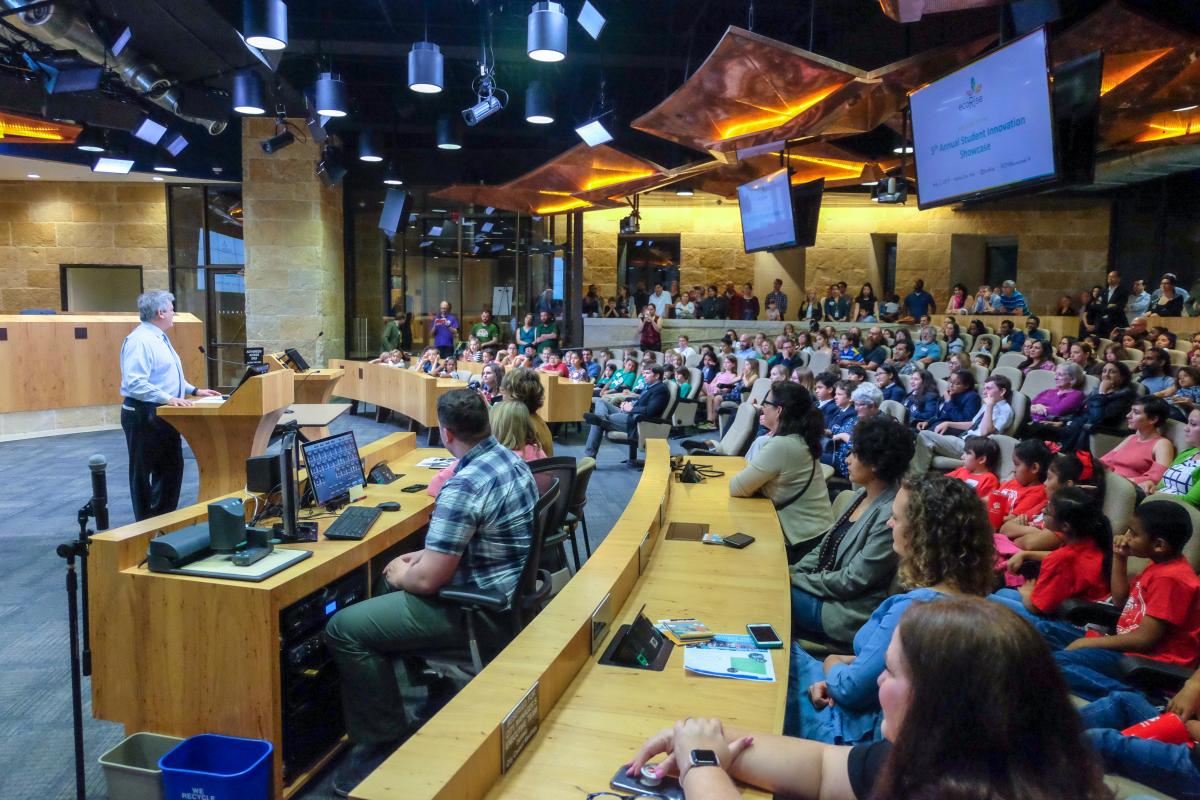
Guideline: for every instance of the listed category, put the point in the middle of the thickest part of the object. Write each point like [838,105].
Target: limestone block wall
[293,237]
[44,224]
[1062,245]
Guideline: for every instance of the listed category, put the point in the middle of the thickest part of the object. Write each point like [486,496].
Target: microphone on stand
[220,360]
[98,465]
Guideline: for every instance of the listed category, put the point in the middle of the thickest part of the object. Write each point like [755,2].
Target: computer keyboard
[353,523]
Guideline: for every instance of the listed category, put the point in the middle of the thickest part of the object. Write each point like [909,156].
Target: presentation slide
[985,126]
[766,210]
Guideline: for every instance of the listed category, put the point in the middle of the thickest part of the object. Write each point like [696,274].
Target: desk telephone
[381,473]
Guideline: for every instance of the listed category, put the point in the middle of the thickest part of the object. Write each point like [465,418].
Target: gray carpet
[45,482]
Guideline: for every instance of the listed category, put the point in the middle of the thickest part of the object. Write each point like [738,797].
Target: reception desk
[185,655]
[72,360]
[413,394]
[593,717]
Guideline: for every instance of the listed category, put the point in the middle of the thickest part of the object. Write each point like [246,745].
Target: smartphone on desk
[667,787]
[738,540]
[416,487]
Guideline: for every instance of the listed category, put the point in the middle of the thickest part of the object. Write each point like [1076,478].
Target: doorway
[217,295]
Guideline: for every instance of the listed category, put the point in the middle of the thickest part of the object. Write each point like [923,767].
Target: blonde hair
[510,425]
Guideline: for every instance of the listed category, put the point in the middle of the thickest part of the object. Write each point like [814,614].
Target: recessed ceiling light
[901,151]
[1186,108]
[165,168]
[685,192]
[157,178]
[33,175]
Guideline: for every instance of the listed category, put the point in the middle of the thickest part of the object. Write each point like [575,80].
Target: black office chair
[562,469]
[575,517]
[532,588]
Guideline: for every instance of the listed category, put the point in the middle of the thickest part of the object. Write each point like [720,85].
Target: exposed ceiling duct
[61,26]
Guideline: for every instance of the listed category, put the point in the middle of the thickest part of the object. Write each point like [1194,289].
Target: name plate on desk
[518,728]
[602,619]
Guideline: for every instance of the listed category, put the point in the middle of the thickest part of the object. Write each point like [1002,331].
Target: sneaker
[359,762]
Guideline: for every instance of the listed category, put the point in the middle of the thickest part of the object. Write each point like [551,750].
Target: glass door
[217,296]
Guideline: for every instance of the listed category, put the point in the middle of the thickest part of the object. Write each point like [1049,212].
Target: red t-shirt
[1074,570]
[1028,500]
[984,483]
[561,369]
[1170,592]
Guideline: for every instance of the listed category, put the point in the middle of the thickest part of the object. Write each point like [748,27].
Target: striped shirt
[1007,304]
[484,514]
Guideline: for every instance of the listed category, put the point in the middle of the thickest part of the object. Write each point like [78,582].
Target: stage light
[282,138]
[368,149]
[330,168]
[115,166]
[425,68]
[546,38]
[265,24]
[591,19]
[150,131]
[594,133]
[447,134]
[487,105]
[539,104]
[248,92]
[90,142]
[331,100]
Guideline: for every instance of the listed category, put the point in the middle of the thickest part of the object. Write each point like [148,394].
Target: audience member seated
[491,377]
[1062,401]
[1105,407]
[927,350]
[1180,479]
[1037,356]
[717,390]
[523,385]
[1154,373]
[954,342]
[1173,769]
[979,456]
[836,586]
[940,532]
[786,471]
[651,403]
[430,361]
[922,401]
[1079,569]
[1169,300]
[866,399]
[887,378]
[1144,455]
[478,538]
[511,428]
[1028,531]
[1160,617]
[840,420]
[947,435]
[1186,394]
[1024,495]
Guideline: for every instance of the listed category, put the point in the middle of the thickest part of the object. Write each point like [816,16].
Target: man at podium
[152,376]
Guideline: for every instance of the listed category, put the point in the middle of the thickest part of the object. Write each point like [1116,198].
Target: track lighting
[248,92]
[264,24]
[425,68]
[539,104]
[546,38]
[331,98]
[447,134]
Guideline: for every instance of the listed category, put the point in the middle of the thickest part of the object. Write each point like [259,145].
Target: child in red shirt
[1081,567]
[1030,533]
[978,471]
[1026,491]
[1160,619]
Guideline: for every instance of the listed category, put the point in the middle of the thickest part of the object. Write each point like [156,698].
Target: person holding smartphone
[444,328]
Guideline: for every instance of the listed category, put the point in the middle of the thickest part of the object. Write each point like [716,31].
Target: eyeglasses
[770,403]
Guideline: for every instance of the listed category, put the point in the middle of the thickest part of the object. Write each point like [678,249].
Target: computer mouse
[390,505]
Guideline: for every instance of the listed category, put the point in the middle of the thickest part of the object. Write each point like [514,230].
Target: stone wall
[45,224]
[1062,246]
[294,252]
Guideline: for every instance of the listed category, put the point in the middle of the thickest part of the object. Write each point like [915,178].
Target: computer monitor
[333,466]
[298,362]
[251,371]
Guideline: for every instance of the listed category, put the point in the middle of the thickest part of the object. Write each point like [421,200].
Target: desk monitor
[298,362]
[333,466]
[251,371]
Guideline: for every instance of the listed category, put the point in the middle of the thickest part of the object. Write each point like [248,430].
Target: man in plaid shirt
[479,537]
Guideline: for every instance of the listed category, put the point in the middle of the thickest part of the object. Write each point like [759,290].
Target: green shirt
[485,333]
[542,330]
[391,337]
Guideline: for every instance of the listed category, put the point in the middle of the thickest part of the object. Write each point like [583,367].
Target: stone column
[294,250]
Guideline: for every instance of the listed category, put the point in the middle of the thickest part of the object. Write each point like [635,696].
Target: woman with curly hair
[941,533]
[972,708]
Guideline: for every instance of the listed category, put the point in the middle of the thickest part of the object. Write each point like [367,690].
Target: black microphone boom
[219,360]
[97,464]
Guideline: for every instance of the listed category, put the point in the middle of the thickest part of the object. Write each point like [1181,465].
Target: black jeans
[155,459]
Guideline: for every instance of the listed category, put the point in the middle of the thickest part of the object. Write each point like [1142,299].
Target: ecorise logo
[974,96]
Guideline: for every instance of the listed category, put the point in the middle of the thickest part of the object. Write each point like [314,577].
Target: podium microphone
[97,464]
[220,360]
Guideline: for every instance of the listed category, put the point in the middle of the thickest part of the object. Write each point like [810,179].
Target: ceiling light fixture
[156,178]
[33,176]
[90,142]
[392,176]
[902,151]
[591,19]
[368,149]
[539,103]
[593,133]
[176,144]
[546,38]
[330,93]
[115,166]
[1184,109]
[282,138]
[248,92]
[425,68]
[265,24]
[150,131]
[447,133]
[685,191]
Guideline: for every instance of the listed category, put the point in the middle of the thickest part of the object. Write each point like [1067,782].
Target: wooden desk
[413,394]
[313,386]
[594,717]
[70,360]
[566,400]
[223,434]
[186,655]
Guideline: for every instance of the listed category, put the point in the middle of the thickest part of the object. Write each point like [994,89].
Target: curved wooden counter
[413,394]
[594,717]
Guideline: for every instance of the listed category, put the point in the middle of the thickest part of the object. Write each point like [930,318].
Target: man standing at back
[1115,297]
[478,539]
[919,302]
[152,376]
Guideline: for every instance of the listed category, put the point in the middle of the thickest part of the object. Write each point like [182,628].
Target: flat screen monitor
[986,128]
[297,360]
[251,371]
[333,466]
[806,210]
[1077,117]
[766,208]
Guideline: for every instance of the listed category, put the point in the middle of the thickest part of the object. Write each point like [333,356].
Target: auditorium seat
[1011,360]
[894,409]
[652,428]
[1014,375]
[1036,382]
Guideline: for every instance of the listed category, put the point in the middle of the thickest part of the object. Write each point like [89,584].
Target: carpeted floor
[45,482]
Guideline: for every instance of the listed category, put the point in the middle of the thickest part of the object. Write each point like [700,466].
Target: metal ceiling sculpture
[913,10]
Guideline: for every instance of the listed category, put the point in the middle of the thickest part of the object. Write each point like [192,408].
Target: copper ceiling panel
[748,84]
[837,165]
[913,10]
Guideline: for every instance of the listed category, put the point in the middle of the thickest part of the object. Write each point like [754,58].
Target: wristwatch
[704,758]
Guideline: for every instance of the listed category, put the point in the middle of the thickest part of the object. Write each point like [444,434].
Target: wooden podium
[223,434]
[313,386]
